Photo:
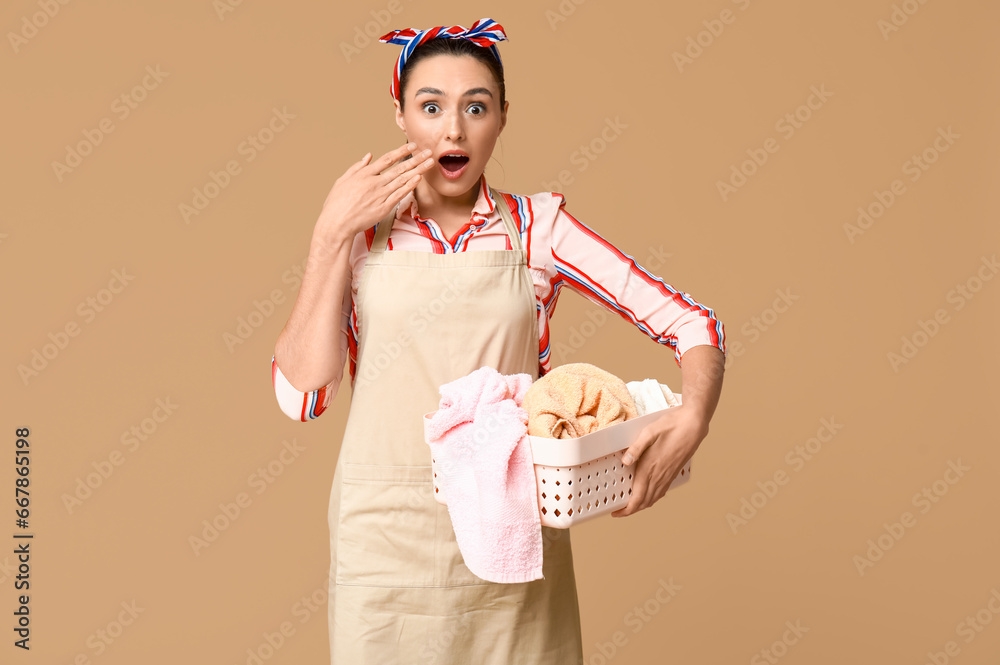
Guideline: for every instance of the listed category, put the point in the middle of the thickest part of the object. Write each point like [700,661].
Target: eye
[428,105]
[478,105]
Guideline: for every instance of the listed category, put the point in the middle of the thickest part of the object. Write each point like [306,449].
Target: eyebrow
[441,93]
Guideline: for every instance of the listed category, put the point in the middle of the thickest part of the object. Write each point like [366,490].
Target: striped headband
[483,32]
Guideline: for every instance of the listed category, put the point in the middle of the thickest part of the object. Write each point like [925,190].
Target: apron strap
[506,213]
[503,207]
[382,231]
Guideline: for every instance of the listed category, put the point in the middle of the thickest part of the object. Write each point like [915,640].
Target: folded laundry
[651,395]
[576,399]
[485,470]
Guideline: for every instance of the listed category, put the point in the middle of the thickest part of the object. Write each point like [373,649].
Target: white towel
[651,395]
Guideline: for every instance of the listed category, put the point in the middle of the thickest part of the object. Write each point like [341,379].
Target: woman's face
[453,108]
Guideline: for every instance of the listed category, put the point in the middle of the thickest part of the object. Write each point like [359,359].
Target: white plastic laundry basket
[582,478]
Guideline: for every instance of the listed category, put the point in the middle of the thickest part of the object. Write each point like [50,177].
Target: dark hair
[450,46]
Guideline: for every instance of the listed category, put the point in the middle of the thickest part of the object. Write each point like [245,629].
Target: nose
[454,127]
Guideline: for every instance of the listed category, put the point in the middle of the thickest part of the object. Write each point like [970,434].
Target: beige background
[655,187]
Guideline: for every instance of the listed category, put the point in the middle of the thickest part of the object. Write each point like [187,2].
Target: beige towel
[576,399]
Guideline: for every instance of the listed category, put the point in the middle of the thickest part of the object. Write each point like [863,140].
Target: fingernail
[627,459]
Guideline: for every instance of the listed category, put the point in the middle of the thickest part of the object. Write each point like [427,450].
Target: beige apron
[400,592]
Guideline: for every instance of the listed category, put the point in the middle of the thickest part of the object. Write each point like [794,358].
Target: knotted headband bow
[484,32]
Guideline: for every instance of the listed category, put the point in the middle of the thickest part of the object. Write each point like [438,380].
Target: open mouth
[453,163]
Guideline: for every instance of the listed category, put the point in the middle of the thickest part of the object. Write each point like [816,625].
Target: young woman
[419,273]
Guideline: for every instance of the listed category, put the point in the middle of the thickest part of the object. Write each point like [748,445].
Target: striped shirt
[562,251]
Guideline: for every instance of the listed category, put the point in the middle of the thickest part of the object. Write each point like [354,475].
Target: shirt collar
[481,211]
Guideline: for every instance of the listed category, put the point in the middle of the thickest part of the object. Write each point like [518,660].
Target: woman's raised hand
[368,190]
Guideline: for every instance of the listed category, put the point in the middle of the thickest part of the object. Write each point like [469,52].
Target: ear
[399,116]
[503,116]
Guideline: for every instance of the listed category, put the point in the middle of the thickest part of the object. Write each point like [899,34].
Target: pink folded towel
[478,437]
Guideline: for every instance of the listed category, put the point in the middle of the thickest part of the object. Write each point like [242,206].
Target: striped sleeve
[306,406]
[600,272]
[298,405]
